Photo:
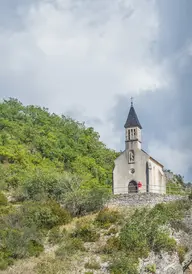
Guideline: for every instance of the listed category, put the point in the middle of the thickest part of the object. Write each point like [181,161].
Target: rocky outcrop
[187,263]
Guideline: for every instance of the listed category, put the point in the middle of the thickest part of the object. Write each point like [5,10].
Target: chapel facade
[135,171]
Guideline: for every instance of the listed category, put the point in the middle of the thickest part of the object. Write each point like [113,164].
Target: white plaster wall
[122,175]
[157,183]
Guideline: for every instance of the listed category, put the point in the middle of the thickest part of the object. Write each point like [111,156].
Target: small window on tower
[134,133]
[129,134]
[131,156]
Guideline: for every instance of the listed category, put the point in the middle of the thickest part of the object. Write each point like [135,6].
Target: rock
[174,269]
[187,261]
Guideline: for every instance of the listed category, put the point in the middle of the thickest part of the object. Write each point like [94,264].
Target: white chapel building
[135,171]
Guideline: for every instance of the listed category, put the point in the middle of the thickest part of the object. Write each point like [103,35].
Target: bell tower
[132,132]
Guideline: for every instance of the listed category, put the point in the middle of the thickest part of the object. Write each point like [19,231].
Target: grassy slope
[66,256]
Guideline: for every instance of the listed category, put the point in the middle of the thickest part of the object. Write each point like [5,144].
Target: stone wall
[143,199]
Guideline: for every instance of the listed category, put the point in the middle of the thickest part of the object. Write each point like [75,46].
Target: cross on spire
[131,101]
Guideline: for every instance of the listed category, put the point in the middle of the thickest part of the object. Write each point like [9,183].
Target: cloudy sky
[87,58]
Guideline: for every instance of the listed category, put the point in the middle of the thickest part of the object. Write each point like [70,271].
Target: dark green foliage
[44,215]
[32,139]
[190,196]
[151,268]
[106,217]
[86,232]
[56,235]
[21,229]
[163,241]
[82,201]
[34,248]
[112,245]
[144,232]
[3,199]
[69,247]
[47,160]
[18,243]
[124,264]
[181,251]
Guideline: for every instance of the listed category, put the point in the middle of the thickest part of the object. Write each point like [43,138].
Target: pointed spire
[132,119]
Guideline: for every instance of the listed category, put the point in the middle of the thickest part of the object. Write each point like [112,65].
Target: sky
[86,58]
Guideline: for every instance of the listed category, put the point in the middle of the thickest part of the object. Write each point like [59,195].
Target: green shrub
[70,247]
[164,242]
[82,201]
[34,248]
[86,232]
[5,259]
[121,263]
[52,266]
[56,235]
[190,196]
[139,237]
[92,264]
[44,215]
[151,268]
[18,244]
[5,210]
[112,245]
[181,251]
[106,217]
[3,199]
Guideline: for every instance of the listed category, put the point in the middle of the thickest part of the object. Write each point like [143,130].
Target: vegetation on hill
[176,185]
[51,168]
[34,143]
[54,169]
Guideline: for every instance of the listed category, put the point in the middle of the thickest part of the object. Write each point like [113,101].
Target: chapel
[135,171]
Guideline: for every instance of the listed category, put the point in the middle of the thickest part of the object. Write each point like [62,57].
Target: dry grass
[48,263]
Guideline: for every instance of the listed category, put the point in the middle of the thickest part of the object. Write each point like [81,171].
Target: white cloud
[74,54]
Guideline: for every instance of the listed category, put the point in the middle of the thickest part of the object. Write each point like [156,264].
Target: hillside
[32,139]
[55,183]
[45,161]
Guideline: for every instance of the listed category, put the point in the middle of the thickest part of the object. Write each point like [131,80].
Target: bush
[44,215]
[18,244]
[56,235]
[112,245]
[82,201]
[190,196]
[52,266]
[34,248]
[124,264]
[3,199]
[106,217]
[5,260]
[70,247]
[139,237]
[44,184]
[86,232]
[181,251]
[150,268]
[5,210]
[92,264]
